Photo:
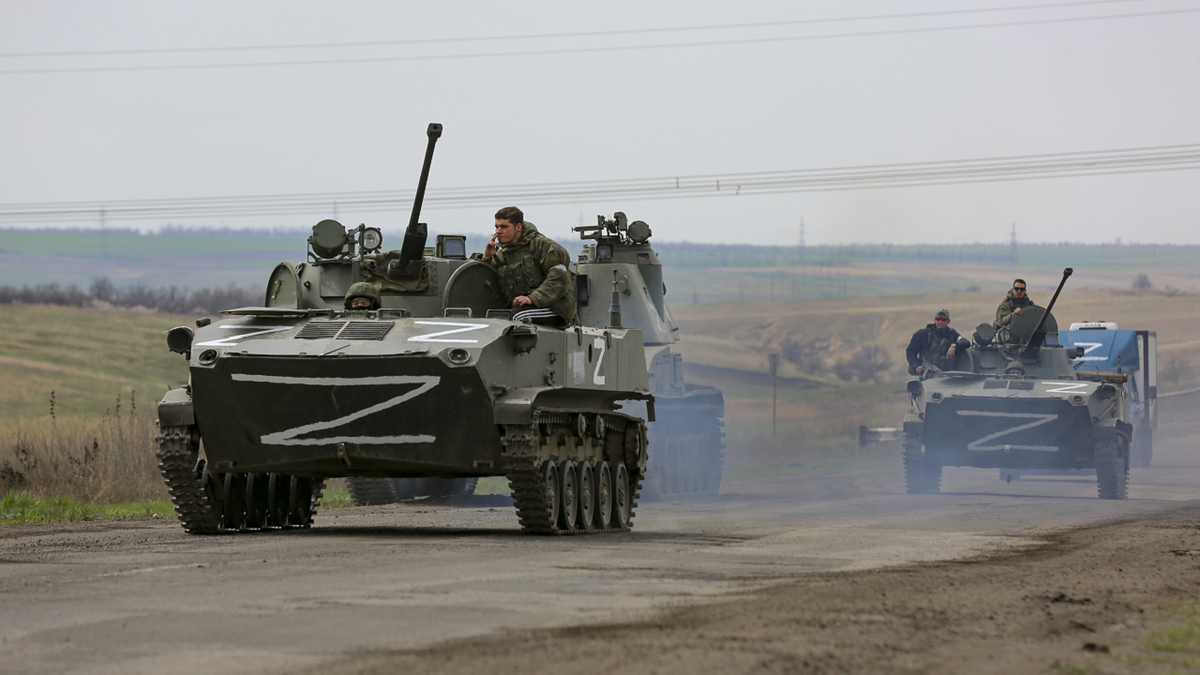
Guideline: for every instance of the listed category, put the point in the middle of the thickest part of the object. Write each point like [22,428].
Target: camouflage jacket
[1004,313]
[930,345]
[535,265]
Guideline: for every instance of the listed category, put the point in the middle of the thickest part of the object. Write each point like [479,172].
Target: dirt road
[782,574]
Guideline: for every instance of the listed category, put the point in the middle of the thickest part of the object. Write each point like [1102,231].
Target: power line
[539,36]
[583,50]
[910,174]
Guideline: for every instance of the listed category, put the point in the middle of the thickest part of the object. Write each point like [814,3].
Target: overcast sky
[794,94]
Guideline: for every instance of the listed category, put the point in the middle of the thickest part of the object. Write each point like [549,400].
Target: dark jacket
[1004,313]
[930,345]
[535,265]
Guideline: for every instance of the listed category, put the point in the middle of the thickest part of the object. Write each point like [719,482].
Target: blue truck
[1134,353]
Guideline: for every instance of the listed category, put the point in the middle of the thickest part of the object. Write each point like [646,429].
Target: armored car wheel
[1112,469]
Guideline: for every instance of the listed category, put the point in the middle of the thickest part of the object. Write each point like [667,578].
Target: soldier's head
[1015,368]
[509,224]
[363,296]
[1019,287]
[942,318]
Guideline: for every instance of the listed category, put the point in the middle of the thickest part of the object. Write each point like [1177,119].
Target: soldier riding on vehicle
[533,270]
[935,344]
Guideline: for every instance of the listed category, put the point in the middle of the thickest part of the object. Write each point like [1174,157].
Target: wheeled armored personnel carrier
[438,382]
[1045,415]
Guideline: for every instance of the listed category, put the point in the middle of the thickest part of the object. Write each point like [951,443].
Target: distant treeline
[743,255]
[103,293]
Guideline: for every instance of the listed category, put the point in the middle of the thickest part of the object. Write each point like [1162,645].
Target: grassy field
[93,361]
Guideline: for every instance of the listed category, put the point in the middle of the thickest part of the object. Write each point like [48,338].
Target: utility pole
[801,240]
[773,362]
[1013,246]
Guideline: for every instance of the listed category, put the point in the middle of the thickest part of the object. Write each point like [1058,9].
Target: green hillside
[88,358]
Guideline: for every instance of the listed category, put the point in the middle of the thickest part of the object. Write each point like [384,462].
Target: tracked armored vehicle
[438,382]
[687,438]
[1045,416]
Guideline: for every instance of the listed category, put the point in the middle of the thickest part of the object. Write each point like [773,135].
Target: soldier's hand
[522,301]
[1018,311]
[490,249]
[920,369]
[950,352]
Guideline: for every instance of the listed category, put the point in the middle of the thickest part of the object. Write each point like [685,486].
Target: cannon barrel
[1039,334]
[416,234]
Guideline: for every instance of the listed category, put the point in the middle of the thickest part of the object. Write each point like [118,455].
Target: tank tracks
[377,491]
[210,503]
[921,475]
[576,471]
[1112,469]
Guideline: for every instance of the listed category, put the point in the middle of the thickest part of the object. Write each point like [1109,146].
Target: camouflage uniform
[930,345]
[1004,314]
[536,266]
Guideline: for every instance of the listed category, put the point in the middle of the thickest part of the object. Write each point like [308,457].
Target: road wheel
[551,489]
[622,500]
[587,496]
[604,508]
[257,501]
[568,513]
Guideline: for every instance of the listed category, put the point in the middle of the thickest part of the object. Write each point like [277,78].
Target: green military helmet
[1015,368]
[364,290]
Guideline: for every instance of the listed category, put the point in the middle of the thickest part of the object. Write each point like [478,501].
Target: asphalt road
[147,598]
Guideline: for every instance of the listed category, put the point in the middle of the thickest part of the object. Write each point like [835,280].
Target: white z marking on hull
[437,337]
[1073,388]
[288,436]
[232,339]
[1038,420]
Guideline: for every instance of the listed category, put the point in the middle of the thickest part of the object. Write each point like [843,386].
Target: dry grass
[99,461]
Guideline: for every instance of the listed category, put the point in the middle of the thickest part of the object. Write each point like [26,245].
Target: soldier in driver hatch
[935,344]
[1010,306]
[533,270]
[362,295]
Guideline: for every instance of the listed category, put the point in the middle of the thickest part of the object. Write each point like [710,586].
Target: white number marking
[437,337]
[233,339]
[289,436]
[596,376]
[1038,420]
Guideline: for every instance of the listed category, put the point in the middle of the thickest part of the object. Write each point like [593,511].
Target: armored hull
[1019,406]
[430,380]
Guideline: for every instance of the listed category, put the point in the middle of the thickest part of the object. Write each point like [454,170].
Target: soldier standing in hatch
[533,270]
[935,344]
[1010,306]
